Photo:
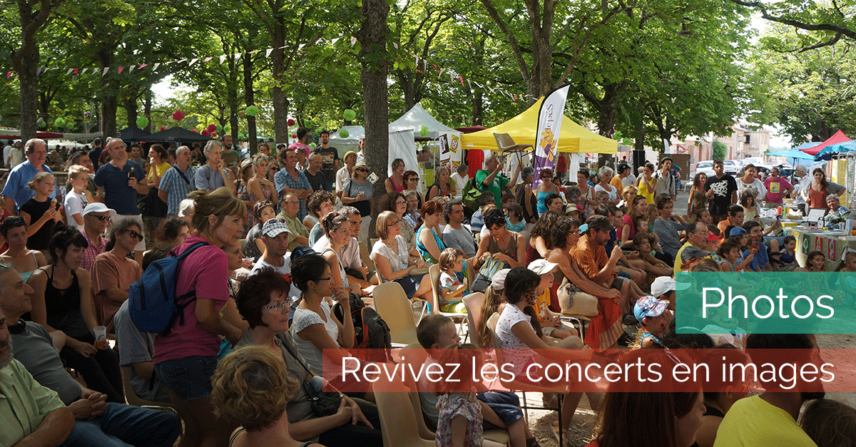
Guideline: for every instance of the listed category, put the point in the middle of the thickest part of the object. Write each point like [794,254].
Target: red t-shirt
[206,271]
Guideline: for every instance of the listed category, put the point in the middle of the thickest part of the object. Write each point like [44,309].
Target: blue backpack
[152,302]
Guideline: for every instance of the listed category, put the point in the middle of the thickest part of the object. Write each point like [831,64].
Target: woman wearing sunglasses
[113,273]
[357,192]
[545,189]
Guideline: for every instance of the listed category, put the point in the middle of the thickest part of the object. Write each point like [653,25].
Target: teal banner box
[766,303]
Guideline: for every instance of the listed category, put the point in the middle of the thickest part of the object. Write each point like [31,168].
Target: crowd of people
[274,242]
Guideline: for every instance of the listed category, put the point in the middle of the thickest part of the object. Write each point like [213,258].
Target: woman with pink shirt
[185,356]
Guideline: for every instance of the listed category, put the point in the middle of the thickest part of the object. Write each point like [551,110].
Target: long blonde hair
[493,300]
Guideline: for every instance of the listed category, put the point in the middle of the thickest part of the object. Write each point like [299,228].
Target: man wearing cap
[177,182]
[695,245]
[275,235]
[551,324]
[344,174]
[290,207]
[651,313]
[313,172]
[593,261]
[96,217]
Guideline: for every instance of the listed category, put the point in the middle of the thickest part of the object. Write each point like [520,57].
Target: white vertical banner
[549,128]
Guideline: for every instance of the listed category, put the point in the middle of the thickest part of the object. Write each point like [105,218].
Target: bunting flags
[222,58]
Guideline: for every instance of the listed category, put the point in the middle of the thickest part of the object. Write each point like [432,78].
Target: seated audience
[501,244]
[595,265]
[358,193]
[290,206]
[717,403]
[173,231]
[770,418]
[456,234]
[551,324]
[605,329]
[18,256]
[263,211]
[62,303]
[349,254]
[319,204]
[645,417]
[396,203]
[96,218]
[829,423]
[113,272]
[429,243]
[539,238]
[668,227]
[488,200]
[264,306]
[518,334]
[337,234]
[412,215]
[393,259]
[97,421]
[251,388]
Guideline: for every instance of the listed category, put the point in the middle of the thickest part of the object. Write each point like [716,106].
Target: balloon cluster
[59,122]
[178,115]
[423,131]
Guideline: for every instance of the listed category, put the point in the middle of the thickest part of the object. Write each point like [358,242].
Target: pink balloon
[193,130]
[204,132]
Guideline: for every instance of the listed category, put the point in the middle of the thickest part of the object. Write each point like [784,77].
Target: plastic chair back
[137,401]
[397,417]
[473,303]
[393,306]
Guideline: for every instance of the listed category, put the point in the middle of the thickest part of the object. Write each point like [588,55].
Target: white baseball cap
[542,266]
[98,207]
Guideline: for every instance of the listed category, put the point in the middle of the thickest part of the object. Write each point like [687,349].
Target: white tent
[403,131]
[351,143]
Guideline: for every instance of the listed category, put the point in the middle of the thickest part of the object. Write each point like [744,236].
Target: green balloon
[350,115]
[59,122]
[219,129]
[343,133]
[312,145]
[41,122]
[308,124]
[228,128]
[252,111]
[423,131]
[142,122]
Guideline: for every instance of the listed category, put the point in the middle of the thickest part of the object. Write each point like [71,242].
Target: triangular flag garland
[222,58]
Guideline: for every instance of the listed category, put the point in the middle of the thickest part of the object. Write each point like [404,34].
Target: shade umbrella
[839,137]
[834,150]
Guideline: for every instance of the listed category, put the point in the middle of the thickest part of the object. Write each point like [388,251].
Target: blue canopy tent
[834,150]
[793,153]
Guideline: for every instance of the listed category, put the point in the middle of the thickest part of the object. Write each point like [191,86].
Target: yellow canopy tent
[574,138]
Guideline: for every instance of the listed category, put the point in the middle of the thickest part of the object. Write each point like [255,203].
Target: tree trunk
[249,96]
[280,101]
[25,60]
[109,102]
[374,59]
[478,108]
[130,104]
[148,108]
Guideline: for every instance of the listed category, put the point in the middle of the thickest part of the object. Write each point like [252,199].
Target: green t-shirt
[499,183]
[231,158]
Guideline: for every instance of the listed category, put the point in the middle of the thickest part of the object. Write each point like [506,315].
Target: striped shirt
[283,179]
[176,187]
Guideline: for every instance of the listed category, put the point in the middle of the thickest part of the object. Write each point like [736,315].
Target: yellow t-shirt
[542,305]
[617,184]
[678,262]
[642,190]
[753,422]
[161,170]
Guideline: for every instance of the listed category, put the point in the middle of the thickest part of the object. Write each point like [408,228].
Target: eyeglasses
[279,305]
[362,170]
[135,235]
[274,169]
[392,224]
[100,218]
[413,179]
[400,202]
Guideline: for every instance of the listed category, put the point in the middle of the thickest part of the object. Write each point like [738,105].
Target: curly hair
[170,228]
[542,227]
[120,225]
[332,221]
[10,223]
[560,231]
[251,388]
[314,202]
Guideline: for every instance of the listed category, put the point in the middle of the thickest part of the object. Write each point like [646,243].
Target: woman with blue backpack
[185,355]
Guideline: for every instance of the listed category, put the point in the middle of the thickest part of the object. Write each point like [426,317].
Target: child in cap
[551,324]
[652,315]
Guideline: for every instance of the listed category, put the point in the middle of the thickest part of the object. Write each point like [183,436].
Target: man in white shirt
[459,179]
[275,234]
[6,151]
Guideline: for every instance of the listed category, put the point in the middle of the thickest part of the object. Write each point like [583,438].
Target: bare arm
[230,313]
[163,195]
[53,430]
[385,269]
[210,320]
[256,189]
[87,305]
[10,205]
[427,239]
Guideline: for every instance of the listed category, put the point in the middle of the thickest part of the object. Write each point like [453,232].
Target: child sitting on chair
[499,409]
[551,324]
[651,313]
[452,289]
